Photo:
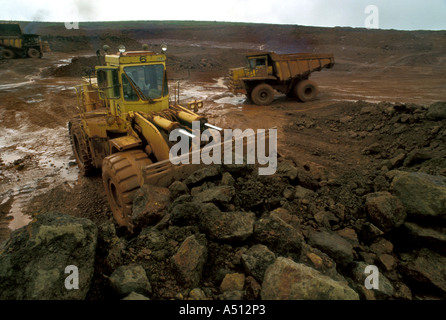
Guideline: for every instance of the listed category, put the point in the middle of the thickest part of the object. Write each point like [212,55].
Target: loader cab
[260,65]
[133,81]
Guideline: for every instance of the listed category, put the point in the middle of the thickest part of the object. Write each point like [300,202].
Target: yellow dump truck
[286,73]
[14,43]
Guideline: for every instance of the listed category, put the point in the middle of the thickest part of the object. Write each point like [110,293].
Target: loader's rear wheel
[262,94]
[306,90]
[80,148]
[34,53]
[122,177]
[8,54]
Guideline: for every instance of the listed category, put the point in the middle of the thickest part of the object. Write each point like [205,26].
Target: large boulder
[436,111]
[190,259]
[288,280]
[226,226]
[333,245]
[34,260]
[385,211]
[423,195]
[427,268]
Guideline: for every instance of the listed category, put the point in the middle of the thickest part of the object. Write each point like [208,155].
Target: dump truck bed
[299,64]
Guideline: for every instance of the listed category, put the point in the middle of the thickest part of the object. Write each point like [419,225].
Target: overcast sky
[392,14]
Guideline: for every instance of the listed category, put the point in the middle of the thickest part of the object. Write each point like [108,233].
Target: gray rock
[303,193]
[202,174]
[423,195]
[306,179]
[227,179]
[373,148]
[286,168]
[333,245]
[222,194]
[197,294]
[278,235]
[33,261]
[426,267]
[178,189]
[135,296]
[397,160]
[436,111]
[150,205]
[151,238]
[232,295]
[131,278]
[288,280]
[434,237]
[417,156]
[256,260]
[111,245]
[385,211]
[190,259]
[185,214]
[385,288]
[226,226]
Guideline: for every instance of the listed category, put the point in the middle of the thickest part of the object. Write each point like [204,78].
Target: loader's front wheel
[122,177]
[306,90]
[80,148]
[262,94]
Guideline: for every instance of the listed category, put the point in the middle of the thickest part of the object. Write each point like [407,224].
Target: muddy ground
[374,69]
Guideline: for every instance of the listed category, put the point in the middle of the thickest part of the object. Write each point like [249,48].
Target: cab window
[108,82]
[149,79]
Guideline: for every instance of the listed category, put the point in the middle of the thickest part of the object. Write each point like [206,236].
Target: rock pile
[226,233]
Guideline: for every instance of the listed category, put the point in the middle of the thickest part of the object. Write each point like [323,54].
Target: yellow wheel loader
[123,126]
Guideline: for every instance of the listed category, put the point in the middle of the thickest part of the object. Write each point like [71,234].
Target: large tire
[8,54]
[262,94]
[80,148]
[34,53]
[306,90]
[122,177]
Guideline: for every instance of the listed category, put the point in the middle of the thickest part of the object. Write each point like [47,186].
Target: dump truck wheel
[122,177]
[8,54]
[34,53]
[262,94]
[80,148]
[306,90]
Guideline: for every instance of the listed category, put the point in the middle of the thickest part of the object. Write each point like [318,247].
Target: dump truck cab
[259,66]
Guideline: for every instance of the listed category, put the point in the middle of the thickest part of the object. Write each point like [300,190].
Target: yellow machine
[124,123]
[286,73]
[14,43]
